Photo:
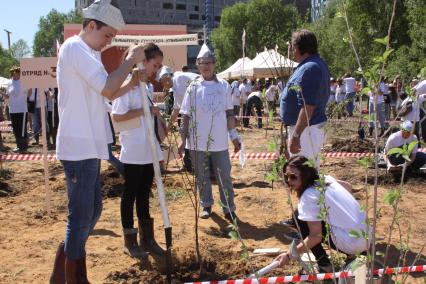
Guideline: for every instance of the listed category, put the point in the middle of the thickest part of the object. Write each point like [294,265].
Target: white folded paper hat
[205,52]
[103,11]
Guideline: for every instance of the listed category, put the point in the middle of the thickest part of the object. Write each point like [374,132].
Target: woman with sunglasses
[343,214]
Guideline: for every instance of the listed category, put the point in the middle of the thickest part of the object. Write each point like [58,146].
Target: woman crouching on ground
[343,214]
[138,164]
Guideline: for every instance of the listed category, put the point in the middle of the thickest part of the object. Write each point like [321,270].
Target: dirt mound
[112,183]
[352,144]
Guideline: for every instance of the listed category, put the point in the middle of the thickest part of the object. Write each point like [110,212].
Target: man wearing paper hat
[82,138]
[404,137]
[207,105]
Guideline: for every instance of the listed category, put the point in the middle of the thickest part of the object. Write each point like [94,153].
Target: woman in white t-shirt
[138,165]
[343,213]
[379,112]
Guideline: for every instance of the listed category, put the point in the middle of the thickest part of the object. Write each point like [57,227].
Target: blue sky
[21,17]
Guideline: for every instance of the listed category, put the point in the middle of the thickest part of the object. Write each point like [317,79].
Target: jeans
[222,169]
[349,97]
[84,204]
[114,161]
[37,122]
[380,114]
[137,186]
[419,161]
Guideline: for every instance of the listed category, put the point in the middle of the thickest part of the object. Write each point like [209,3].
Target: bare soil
[29,236]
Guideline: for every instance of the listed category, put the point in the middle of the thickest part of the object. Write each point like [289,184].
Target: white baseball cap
[163,71]
[103,11]
[407,125]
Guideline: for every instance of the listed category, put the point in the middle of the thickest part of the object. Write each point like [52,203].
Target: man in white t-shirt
[245,90]
[401,139]
[18,109]
[208,119]
[349,83]
[420,89]
[235,93]
[254,100]
[417,103]
[270,97]
[82,139]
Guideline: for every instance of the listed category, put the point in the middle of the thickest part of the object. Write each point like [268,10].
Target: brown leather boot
[131,246]
[58,273]
[82,271]
[71,271]
[147,241]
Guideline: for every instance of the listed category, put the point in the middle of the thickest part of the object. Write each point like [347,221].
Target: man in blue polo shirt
[304,99]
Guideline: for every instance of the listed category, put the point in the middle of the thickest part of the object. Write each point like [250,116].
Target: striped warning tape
[5,128]
[233,156]
[5,122]
[315,277]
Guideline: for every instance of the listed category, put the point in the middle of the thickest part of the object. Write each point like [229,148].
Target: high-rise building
[167,12]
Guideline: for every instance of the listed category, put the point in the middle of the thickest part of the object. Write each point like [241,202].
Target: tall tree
[51,28]
[6,61]
[267,23]
[20,49]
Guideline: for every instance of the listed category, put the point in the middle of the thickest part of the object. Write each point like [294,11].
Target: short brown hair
[306,41]
[152,50]
[99,24]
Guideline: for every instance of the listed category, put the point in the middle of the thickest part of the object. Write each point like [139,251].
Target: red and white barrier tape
[5,128]
[232,156]
[5,122]
[314,277]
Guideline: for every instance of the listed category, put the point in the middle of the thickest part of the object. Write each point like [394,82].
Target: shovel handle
[265,270]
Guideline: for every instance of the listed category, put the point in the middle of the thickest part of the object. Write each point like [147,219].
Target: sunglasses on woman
[292,177]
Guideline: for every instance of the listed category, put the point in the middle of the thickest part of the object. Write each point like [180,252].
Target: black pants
[53,122]
[20,129]
[137,186]
[257,103]
[318,250]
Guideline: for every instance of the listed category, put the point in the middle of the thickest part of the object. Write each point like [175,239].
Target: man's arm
[115,80]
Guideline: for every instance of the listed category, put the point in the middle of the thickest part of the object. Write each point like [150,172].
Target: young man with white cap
[179,81]
[208,119]
[82,135]
[400,139]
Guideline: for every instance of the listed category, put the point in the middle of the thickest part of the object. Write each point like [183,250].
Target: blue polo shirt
[312,79]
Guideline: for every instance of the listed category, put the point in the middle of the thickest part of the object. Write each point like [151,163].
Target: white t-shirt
[255,94]
[235,93]
[344,215]
[270,93]
[81,79]
[349,84]
[340,93]
[245,90]
[414,115]
[421,87]
[181,81]
[40,93]
[135,144]
[396,140]
[17,97]
[384,88]
[379,97]
[206,103]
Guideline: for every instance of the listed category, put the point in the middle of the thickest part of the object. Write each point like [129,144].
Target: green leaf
[380,253]
[233,235]
[411,146]
[365,90]
[397,151]
[383,41]
[392,196]
[355,234]
[387,53]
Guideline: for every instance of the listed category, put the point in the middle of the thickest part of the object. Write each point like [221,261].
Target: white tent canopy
[4,82]
[235,69]
[268,64]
